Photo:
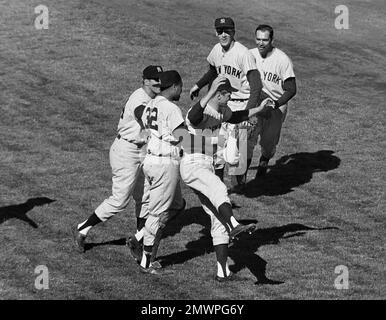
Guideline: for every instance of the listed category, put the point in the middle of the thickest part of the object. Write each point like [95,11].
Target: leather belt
[139,145]
[239,100]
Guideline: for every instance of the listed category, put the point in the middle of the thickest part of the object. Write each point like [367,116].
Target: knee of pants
[220,195]
[218,232]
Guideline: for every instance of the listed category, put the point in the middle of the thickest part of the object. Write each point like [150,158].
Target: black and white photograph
[192,156]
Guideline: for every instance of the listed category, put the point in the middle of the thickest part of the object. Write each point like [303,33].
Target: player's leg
[269,138]
[141,195]
[163,176]
[125,163]
[220,239]
[199,175]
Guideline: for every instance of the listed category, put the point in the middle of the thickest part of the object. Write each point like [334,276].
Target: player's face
[263,42]
[223,98]
[155,85]
[225,36]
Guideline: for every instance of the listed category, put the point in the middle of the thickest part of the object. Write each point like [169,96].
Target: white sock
[234,222]
[85,230]
[139,235]
[220,271]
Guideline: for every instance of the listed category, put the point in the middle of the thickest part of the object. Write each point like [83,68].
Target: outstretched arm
[208,77]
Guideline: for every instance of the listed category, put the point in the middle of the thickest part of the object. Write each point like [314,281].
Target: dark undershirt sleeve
[196,114]
[256,86]
[208,77]
[238,116]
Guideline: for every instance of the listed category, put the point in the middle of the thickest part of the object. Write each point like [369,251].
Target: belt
[166,156]
[239,100]
[138,144]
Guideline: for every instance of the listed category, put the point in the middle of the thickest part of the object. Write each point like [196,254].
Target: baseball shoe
[230,277]
[240,229]
[79,240]
[135,248]
[156,265]
[237,189]
[262,169]
[149,270]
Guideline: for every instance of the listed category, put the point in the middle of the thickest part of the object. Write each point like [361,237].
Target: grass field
[321,205]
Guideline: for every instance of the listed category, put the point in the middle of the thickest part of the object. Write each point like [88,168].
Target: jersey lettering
[151,118]
[269,76]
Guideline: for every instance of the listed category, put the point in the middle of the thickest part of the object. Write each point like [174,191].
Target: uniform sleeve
[287,69]
[212,57]
[175,119]
[248,62]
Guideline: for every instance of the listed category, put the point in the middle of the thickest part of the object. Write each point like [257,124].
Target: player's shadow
[242,251]
[291,171]
[116,242]
[19,211]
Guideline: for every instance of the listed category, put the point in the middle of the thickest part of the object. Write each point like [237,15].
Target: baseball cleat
[135,248]
[230,277]
[262,169]
[156,265]
[149,270]
[240,229]
[79,240]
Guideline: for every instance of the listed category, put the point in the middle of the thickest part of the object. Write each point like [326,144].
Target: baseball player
[161,165]
[126,156]
[278,78]
[204,121]
[233,60]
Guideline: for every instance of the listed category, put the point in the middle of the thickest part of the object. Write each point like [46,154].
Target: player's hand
[193,93]
[268,106]
[217,82]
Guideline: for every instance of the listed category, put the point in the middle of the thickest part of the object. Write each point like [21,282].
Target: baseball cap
[226,86]
[224,22]
[168,78]
[151,72]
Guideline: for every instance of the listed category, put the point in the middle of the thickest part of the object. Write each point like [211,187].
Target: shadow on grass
[291,171]
[19,211]
[117,242]
[242,251]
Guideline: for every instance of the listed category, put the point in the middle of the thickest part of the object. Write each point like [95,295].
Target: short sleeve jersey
[209,127]
[274,70]
[128,127]
[234,64]
[161,117]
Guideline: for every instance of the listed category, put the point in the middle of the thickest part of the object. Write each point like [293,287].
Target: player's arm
[256,86]
[243,115]
[196,113]
[207,78]
[289,87]
[138,112]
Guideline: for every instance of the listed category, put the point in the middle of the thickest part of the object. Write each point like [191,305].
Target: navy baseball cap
[224,22]
[226,86]
[151,72]
[168,78]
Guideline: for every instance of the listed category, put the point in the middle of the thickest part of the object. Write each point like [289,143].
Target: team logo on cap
[159,69]
[222,20]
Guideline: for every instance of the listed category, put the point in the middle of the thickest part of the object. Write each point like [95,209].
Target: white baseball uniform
[197,167]
[274,70]
[161,165]
[235,64]
[126,156]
